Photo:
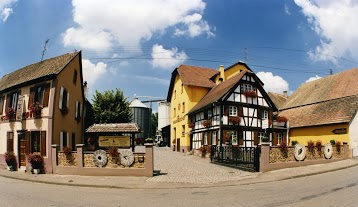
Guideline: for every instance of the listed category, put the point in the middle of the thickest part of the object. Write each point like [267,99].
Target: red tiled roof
[331,87]
[196,76]
[52,66]
[328,112]
[218,91]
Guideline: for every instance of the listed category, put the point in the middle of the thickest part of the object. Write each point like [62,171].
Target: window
[39,94]
[175,94]
[12,100]
[64,140]
[78,113]
[247,87]
[261,136]
[264,114]
[234,138]
[64,99]
[213,138]
[175,112]
[210,114]
[1,105]
[183,108]
[182,88]
[279,138]
[205,138]
[38,142]
[183,130]
[10,142]
[75,77]
[232,111]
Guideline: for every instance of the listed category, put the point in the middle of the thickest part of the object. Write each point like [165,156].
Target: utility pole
[44,49]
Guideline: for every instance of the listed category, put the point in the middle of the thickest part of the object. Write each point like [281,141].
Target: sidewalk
[151,183]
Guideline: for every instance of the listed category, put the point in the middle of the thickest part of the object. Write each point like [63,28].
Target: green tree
[154,124]
[111,107]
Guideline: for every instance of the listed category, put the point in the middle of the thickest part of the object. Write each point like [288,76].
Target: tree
[111,107]
[154,124]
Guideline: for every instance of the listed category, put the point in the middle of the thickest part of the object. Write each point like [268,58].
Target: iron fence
[242,157]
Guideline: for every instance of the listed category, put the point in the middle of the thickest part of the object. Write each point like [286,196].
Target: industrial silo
[142,116]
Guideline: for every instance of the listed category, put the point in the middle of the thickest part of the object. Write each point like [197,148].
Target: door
[178,144]
[22,150]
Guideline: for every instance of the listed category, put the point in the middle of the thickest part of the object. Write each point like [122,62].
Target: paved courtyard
[183,168]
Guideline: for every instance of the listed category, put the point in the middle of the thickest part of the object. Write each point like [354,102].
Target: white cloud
[273,83]
[167,59]
[336,24]
[5,9]
[287,10]
[91,72]
[313,78]
[127,23]
[153,80]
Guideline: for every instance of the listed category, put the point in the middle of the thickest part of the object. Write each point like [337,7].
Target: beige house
[40,105]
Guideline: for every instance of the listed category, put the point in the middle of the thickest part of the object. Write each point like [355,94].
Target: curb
[216,185]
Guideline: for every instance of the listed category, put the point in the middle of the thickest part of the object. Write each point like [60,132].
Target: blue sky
[135,45]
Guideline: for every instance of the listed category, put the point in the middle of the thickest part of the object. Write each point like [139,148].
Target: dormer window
[75,77]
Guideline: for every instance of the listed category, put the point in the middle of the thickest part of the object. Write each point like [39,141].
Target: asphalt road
[337,188]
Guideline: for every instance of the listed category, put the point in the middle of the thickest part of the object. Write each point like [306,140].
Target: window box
[207,123]
[234,119]
[35,109]
[250,93]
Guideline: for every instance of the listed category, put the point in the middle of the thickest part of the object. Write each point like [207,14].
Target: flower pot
[37,171]
[10,168]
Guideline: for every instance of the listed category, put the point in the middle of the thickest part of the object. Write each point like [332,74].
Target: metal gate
[234,156]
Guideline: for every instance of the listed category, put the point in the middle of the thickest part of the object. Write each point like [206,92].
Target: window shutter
[68,139]
[76,114]
[27,143]
[226,110]
[31,97]
[274,142]
[61,98]
[61,140]
[241,137]
[209,138]
[43,143]
[2,104]
[68,100]
[256,142]
[240,111]
[10,142]
[270,115]
[202,138]
[259,113]
[46,95]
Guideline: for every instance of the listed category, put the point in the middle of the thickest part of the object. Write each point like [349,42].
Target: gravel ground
[183,168]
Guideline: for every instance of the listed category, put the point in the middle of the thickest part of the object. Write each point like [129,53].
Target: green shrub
[310,146]
[319,145]
[333,142]
[294,142]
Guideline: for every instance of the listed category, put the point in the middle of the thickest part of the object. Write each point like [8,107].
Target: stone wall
[115,162]
[70,160]
[277,155]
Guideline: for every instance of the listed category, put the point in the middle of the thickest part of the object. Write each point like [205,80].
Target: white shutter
[68,100]
[61,97]
[76,114]
[61,140]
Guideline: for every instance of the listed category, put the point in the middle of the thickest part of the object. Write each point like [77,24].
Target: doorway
[22,148]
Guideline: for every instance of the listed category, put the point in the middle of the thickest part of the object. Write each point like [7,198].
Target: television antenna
[44,49]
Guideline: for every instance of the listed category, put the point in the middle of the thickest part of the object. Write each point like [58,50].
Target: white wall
[353,135]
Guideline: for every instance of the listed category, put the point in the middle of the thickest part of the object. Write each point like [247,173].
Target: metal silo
[142,116]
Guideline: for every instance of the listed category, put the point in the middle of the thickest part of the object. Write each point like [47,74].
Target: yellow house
[193,90]
[325,109]
[40,105]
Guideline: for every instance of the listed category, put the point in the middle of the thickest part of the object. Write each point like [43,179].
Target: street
[336,188]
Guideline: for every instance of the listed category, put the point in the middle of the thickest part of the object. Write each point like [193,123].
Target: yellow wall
[231,72]
[67,122]
[323,133]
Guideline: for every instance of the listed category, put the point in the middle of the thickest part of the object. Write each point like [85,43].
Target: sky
[135,45]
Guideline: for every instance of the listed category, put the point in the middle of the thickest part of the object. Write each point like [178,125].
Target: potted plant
[191,125]
[36,162]
[319,147]
[333,142]
[148,140]
[294,142]
[250,93]
[280,121]
[207,123]
[10,159]
[310,146]
[67,151]
[35,109]
[234,119]
[113,152]
[202,149]
[10,113]
[284,149]
[338,147]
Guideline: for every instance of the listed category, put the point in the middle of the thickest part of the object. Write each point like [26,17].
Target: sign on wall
[114,141]
[340,131]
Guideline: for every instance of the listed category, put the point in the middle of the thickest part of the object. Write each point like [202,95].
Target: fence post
[54,159]
[149,157]
[265,157]
[79,155]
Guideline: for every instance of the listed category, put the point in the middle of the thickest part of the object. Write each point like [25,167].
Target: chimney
[285,94]
[222,73]
[85,89]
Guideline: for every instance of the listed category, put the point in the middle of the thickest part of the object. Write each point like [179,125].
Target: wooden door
[178,145]
[22,151]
